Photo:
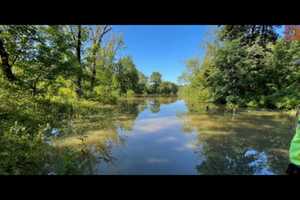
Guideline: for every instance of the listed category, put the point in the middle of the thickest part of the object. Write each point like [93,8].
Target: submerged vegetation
[225,138]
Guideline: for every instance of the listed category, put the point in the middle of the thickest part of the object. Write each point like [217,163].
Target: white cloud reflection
[155,125]
[157,160]
[167,139]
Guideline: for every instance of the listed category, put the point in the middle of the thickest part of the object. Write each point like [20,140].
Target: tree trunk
[6,67]
[78,52]
[93,79]
[34,90]
[97,38]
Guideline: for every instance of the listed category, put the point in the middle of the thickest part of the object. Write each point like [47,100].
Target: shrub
[104,94]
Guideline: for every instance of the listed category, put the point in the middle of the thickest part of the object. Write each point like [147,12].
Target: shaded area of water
[169,136]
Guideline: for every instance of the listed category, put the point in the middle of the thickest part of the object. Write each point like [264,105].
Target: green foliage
[62,91]
[248,34]
[51,75]
[155,80]
[126,75]
[104,94]
[248,68]
[142,84]
[167,88]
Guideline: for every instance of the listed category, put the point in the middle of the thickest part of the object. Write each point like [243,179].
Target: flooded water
[169,136]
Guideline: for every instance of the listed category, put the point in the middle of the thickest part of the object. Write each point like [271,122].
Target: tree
[106,63]
[80,36]
[15,42]
[142,83]
[127,75]
[6,67]
[168,88]
[248,67]
[97,33]
[38,54]
[155,80]
[248,34]
[192,67]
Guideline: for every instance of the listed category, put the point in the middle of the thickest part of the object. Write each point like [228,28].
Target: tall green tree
[155,80]
[97,34]
[142,83]
[80,35]
[248,34]
[127,75]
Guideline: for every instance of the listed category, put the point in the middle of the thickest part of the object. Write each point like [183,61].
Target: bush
[62,91]
[104,94]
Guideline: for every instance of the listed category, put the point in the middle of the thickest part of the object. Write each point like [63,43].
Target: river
[171,137]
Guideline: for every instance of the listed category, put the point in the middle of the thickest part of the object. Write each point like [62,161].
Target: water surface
[169,136]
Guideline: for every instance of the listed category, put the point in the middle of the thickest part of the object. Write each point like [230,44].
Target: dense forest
[53,73]
[245,66]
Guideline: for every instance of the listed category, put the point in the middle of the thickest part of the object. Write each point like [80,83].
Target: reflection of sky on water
[259,162]
[167,139]
[166,110]
[156,145]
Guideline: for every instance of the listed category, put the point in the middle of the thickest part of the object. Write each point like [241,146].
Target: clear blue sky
[163,48]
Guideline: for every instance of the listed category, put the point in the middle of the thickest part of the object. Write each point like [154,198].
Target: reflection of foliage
[166,100]
[225,139]
[128,107]
[96,133]
[155,103]
[154,106]
[223,158]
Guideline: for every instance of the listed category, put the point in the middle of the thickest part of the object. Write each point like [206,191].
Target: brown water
[169,136]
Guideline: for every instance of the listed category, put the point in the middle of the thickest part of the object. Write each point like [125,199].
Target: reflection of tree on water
[154,106]
[166,100]
[128,107]
[226,140]
[156,102]
[98,133]
[199,107]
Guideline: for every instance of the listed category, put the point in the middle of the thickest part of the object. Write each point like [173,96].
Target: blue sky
[163,48]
